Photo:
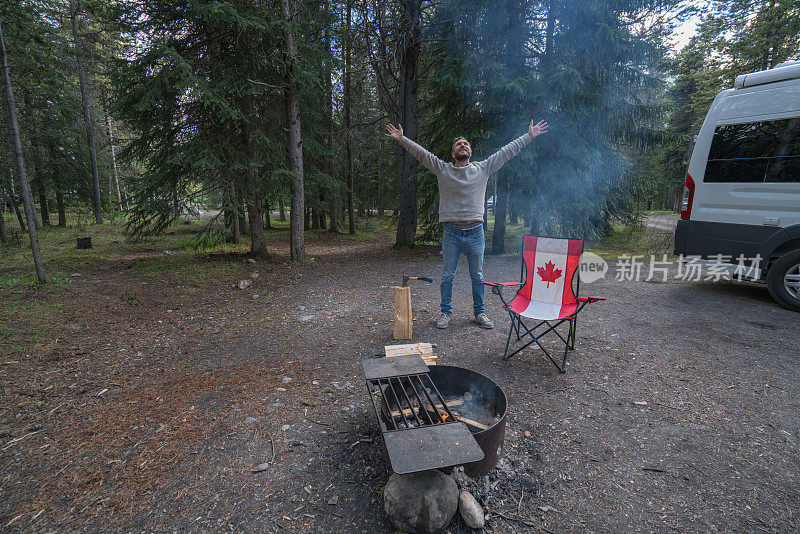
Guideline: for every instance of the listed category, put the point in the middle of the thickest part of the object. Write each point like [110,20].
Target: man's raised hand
[538,129]
[397,133]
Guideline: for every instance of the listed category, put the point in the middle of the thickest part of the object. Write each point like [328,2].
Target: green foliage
[736,37]
[593,78]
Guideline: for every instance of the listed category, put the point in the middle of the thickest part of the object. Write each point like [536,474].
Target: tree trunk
[267,216]
[548,66]
[62,214]
[4,200]
[33,173]
[297,245]
[126,197]
[87,118]
[32,165]
[500,211]
[547,62]
[348,141]
[20,218]
[241,213]
[113,161]
[333,202]
[281,209]
[13,199]
[307,219]
[45,212]
[229,215]
[3,238]
[409,84]
[380,204]
[41,183]
[513,212]
[322,224]
[16,149]
[258,243]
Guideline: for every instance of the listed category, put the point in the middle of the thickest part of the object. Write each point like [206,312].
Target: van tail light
[688,198]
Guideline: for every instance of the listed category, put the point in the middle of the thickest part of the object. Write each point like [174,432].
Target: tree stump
[85,242]
[403,324]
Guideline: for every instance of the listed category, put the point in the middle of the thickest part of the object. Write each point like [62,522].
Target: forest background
[144,111]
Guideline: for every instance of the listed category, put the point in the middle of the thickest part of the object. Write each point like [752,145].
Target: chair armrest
[590,299]
[495,284]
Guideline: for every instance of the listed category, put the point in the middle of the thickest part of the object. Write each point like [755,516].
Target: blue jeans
[471,242]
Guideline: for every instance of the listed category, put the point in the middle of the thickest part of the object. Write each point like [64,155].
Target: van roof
[784,71]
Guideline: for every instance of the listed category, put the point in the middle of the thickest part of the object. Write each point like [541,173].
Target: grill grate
[419,430]
[419,402]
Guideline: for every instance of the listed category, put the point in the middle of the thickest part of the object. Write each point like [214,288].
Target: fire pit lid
[410,364]
[431,447]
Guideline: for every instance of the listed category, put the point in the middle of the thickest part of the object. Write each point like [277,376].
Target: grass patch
[131,299]
[635,239]
[621,240]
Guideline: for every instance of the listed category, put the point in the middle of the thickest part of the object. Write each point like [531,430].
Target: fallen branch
[525,522]
[317,422]
[17,440]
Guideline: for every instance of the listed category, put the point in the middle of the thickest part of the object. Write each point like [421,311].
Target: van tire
[775,280]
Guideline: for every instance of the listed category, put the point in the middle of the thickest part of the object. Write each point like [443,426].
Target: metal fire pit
[490,405]
[436,417]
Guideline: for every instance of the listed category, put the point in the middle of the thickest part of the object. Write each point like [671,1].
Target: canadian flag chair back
[550,265]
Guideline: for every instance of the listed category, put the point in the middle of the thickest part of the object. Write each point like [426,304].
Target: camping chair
[548,268]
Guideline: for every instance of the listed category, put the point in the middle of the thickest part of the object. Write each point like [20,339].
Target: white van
[741,203]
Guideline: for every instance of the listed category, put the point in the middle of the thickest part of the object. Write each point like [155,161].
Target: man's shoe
[443,321]
[483,320]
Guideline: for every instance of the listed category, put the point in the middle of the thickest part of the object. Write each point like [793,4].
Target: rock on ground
[244,284]
[471,511]
[422,503]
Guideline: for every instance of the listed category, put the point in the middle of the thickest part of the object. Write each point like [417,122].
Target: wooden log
[423,349]
[408,411]
[403,324]
[471,422]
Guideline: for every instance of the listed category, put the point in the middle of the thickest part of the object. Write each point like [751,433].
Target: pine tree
[763,33]
[87,112]
[201,102]
[19,158]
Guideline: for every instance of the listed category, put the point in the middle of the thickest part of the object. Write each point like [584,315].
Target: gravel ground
[678,411]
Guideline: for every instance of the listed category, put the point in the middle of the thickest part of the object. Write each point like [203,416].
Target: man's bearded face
[461,150]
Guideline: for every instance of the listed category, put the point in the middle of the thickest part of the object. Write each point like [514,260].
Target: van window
[755,152]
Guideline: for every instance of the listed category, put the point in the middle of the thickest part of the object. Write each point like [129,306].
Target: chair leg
[570,342]
[508,340]
[517,326]
[573,328]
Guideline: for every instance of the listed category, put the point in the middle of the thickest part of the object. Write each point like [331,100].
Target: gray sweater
[462,189]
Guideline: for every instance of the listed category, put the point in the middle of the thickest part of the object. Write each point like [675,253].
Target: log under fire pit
[442,416]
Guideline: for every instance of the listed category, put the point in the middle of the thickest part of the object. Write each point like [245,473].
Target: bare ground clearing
[679,410]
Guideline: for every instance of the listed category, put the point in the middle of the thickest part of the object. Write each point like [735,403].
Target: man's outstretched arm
[430,161]
[493,163]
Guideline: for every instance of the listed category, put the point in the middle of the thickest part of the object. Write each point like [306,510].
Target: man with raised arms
[462,189]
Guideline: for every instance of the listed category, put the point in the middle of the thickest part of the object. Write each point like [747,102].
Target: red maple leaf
[549,273]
